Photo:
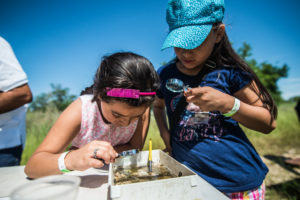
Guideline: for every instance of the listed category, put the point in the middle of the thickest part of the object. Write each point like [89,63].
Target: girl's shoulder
[86,97]
[86,101]
[229,79]
[231,72]
[167,68]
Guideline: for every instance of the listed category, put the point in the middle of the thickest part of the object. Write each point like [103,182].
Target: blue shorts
[11,156]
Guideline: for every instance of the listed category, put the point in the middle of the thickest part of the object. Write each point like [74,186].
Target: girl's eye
[116,115]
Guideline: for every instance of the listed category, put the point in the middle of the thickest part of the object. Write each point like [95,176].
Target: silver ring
[95,153]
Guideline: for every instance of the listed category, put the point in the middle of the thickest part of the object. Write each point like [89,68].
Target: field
[282,182]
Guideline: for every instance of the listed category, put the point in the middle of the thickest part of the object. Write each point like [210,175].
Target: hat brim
[187,37]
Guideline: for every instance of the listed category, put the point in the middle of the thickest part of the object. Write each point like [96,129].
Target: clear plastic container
[58,187]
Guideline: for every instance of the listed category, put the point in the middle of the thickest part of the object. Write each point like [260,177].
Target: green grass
[38,124]
[285,137]
[153,133]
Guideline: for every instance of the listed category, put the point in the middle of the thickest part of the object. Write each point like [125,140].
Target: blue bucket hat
[190,21]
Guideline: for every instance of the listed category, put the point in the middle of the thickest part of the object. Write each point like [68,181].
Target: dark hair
[224,55]
[124,70]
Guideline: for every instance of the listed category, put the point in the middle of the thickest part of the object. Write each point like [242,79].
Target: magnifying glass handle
[186,87]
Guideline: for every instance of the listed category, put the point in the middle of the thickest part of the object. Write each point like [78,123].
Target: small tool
[122,154]
[150,157]
[128,153]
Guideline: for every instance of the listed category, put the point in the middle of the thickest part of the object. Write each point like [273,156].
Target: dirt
[283,180]
[280,172]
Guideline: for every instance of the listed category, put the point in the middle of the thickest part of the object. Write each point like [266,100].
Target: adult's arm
[15,98]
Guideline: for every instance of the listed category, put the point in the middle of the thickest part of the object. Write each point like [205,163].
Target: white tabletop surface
[93,184]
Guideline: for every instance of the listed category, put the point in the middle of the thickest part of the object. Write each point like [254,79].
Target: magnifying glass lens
[175,85]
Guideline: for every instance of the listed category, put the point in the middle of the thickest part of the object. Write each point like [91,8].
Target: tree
[267,73]
[40,102]
[58,97]
[294,99]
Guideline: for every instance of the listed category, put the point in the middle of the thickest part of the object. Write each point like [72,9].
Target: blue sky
[62,41]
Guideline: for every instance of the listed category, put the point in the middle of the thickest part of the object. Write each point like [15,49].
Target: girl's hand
[165,135]
[209,99]
[84,157]
[168,150]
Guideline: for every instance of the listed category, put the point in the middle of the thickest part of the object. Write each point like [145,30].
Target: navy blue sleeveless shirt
[216,148]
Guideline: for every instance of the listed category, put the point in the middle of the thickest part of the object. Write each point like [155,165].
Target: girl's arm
[138,139]
[251,114]
[44,161]
[161,121]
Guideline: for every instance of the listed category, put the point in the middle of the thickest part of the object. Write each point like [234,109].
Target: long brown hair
[224,55]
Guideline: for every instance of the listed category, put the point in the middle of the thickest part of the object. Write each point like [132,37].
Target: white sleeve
[11,72]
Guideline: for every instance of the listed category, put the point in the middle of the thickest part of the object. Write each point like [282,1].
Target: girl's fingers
[194,91]
[105,153]
[194,99]
[95,163]
[189,99]
[99,153]
[109,148]
[198,101]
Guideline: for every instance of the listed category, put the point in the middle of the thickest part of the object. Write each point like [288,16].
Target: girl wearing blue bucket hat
[207,91]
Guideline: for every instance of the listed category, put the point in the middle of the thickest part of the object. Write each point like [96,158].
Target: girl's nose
[126,121]
[186,52]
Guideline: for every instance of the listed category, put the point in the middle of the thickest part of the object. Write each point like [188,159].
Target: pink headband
[127,93]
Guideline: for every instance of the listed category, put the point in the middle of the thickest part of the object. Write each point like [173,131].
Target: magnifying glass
[177,86]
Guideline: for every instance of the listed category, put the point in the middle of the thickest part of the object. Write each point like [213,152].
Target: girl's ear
[220,33]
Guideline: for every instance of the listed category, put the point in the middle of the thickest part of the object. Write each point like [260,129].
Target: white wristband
[234,109]
[61,162]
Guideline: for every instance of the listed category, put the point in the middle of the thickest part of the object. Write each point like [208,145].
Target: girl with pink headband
[111,116]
